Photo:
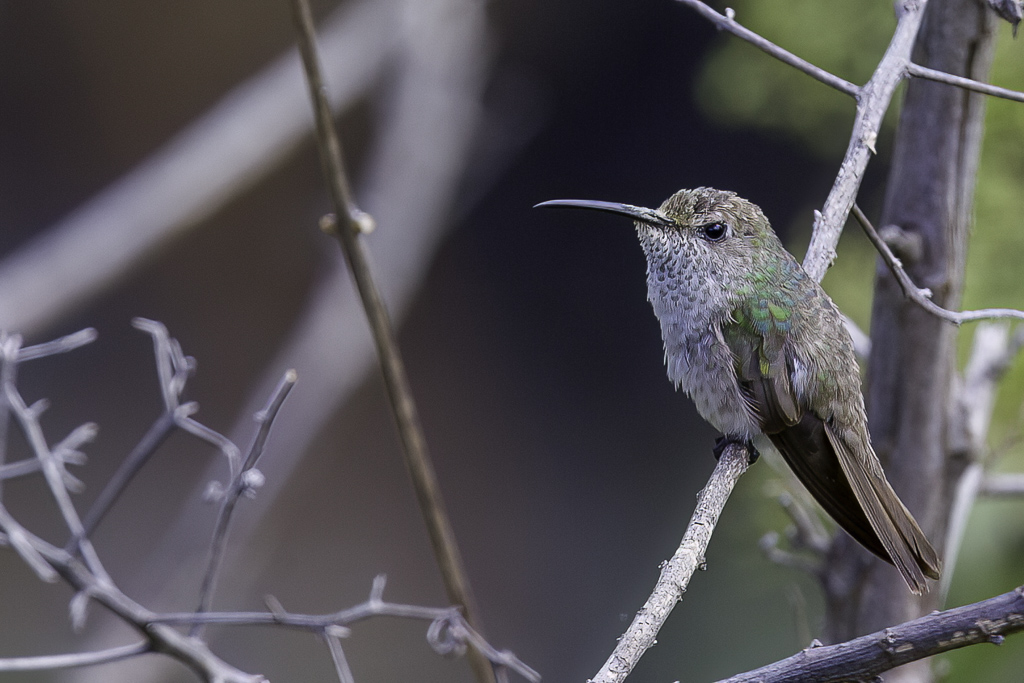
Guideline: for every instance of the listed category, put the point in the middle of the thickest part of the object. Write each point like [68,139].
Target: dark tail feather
[861,501]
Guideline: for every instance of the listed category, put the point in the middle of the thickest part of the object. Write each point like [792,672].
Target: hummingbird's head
[701,245]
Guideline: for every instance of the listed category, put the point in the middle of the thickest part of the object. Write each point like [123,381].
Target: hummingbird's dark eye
[714,232]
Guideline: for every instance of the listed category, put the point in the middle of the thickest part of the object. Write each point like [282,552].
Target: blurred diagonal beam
[240,140]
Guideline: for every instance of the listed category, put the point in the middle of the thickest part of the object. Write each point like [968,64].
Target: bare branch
[991,353]
[1002,485]
[964,496]
[727,22]
[173,370]
[53,473]
[872,102]
[126,471]
[449,631]
[353,223]
[676,572]
[966,83]
[989,621]
[162,638]
[61,345]
[921,296]
[243,483]
[53,662]
[338,657]
[21,540]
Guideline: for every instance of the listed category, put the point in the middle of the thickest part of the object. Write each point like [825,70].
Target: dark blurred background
[569,464]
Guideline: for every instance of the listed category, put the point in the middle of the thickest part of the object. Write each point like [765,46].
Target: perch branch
[921,296]
[676,572]
[351,222]
[861,659]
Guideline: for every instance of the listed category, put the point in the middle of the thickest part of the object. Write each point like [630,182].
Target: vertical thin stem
[349,224]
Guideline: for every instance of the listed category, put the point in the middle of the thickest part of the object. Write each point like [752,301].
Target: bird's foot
[723,441]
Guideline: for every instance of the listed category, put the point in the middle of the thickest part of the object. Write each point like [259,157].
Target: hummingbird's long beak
[637,213]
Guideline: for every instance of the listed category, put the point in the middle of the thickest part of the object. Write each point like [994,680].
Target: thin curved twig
[921,296]
[244,482]
[173,370]
[77,659]
[727,22]
[676,572]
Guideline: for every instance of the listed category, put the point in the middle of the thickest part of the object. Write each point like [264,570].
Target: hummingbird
[762,351]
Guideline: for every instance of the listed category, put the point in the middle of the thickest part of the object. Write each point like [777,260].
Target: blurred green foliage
[741,87]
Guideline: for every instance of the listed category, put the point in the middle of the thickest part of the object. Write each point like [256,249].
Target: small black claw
[723,441]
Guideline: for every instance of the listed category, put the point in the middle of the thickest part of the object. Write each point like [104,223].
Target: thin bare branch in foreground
[351,223]
[448,634]
[81,569]
[676,572]
[173,370]
[921,296]
[77,659]
[245,482]
[861,659]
